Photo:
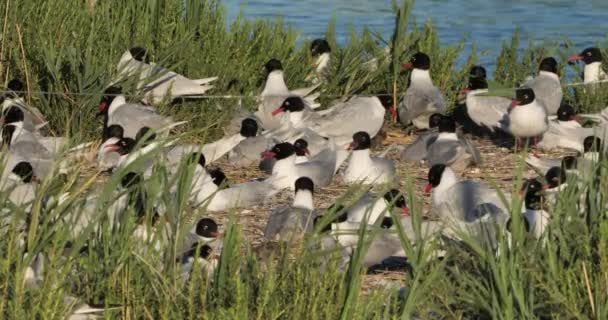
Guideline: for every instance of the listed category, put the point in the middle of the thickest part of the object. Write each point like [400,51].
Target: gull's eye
[526,97]
[589,53]
[287,103]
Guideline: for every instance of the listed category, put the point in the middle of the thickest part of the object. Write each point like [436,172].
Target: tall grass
[61,46]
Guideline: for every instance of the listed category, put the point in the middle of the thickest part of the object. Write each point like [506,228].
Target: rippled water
[486,22]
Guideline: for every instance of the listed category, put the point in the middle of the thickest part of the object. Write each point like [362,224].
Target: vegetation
[67,55]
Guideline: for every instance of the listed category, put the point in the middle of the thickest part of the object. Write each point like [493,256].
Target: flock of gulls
[303,147]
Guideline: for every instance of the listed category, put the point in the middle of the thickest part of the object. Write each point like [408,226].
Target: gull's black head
[591,55]
[555,177]
[140,54]
[282,150]
[304,183]
[477,72]
[447,124]
[125,146]
[207,228]
[395,197]
[218,177]
[24,170]
[301,147]
[435,120]
[13,114]
[566,112]
[249,128]
[569,163]
[548,64]
[435,174]
[113,131]
[592,144]
[534,201]
[197,157]
[16,88]
[524,96]
[387,223]
[143,134]
[531,185]
[319,47]
[361,141]
[420,61]
[272,65]
[291,104]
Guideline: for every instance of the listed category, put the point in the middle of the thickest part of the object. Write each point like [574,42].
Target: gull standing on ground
[422,98]
[528,116]
[486,111]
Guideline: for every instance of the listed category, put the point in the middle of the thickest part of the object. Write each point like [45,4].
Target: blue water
[485,22]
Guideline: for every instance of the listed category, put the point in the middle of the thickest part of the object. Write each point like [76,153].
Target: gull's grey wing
[488,111]
[418,102]
[444,152]
[132,118]
[548,91]
[417,151]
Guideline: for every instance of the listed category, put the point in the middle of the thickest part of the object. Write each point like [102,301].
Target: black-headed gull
[422,98]
[288,223]
[546,85]
[452,150]
[465,206]
[275,92]
[321,51]
[363,167]
[593,72]
[130,116]
[369,208]
[528,116]
[485,111]
[566,131]
[14,107]
[286,171]
[156,82]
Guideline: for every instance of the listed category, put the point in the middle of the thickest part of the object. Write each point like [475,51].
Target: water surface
[485,22]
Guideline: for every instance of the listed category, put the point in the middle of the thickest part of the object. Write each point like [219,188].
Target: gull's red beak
[111,148]
[277,111]
[575,58]
[103,106]
[215,234]
[306,152]
[515,103]
[429,188]
[407,66]
[351,146]
[266,155]
[405,211]
[35,179]
[393,111]
[577,118]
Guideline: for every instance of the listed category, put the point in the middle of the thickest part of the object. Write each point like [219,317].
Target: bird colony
[304,147]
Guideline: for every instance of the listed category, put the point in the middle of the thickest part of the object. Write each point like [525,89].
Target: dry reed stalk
[4,35]
[27,73]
